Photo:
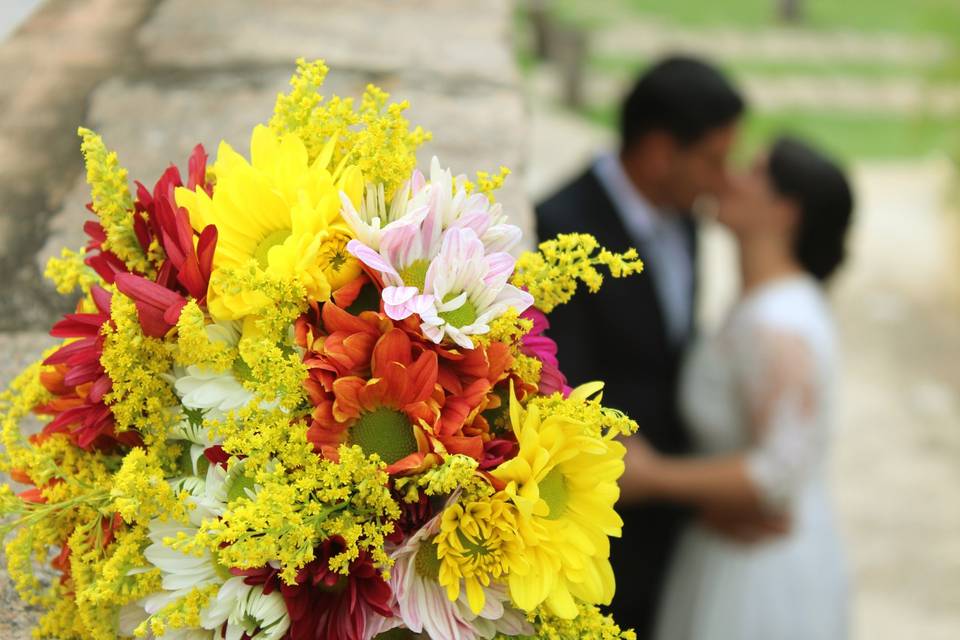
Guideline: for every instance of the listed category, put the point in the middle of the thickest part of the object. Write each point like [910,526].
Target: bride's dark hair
[821,191]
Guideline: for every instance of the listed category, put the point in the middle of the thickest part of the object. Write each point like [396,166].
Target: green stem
[37,512]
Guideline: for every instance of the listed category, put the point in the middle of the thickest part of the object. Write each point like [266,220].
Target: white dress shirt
[665,246]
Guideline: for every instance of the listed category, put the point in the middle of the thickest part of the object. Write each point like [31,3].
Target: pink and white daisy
[375,218]
[465,289]
[459,238]
[405,254]
[424,607]
[459,209]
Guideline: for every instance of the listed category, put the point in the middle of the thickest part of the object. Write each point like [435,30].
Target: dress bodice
[763,384]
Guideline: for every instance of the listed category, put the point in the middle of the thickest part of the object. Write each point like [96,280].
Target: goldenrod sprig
[553,273]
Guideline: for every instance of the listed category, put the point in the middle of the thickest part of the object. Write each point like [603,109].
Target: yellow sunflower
[278,213]
[564,485]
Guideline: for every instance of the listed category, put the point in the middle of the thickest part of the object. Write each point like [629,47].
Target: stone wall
[155,77]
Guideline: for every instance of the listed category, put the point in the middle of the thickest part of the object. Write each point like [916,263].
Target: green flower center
[427,563]
[473,548]
[273,239]
[553,491]
[462,316]
[250,623]
[337,260]
[385,432]
[237,486]
[415,274]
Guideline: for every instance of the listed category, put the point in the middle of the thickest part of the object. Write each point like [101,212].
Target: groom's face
[700,168]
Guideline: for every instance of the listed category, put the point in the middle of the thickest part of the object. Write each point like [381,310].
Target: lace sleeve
[782,400]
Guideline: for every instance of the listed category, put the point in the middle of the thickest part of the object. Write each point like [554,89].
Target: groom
[677,127]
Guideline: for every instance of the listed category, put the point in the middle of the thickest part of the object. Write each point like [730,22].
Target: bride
[759,401]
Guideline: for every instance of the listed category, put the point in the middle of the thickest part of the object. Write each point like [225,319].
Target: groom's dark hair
[681,96]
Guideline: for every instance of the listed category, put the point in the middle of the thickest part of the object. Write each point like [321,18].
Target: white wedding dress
[764,386]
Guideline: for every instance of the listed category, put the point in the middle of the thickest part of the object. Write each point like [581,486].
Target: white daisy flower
[445,196]
[248,612]
[205,390]
[200,388]
[237,608]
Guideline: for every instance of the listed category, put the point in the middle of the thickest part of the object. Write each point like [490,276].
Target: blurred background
[535,85]
[877,83]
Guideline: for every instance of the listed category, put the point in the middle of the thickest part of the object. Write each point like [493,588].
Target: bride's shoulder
[796,306]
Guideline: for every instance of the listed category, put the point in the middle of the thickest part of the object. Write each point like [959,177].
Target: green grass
[851,136]
[630,66]
[901,16]
[846,135]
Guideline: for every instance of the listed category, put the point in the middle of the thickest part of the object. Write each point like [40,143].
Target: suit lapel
[640,305]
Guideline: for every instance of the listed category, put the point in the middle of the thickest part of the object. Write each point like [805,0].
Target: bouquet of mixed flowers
[309,395]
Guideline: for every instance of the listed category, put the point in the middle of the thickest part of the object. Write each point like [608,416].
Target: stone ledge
[154,120]
[445,37]
[49,68]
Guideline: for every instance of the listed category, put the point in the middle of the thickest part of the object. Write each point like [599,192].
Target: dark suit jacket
[619,336]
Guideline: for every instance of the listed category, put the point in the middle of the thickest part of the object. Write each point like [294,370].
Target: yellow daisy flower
[278,213]
[477,543]
[564,485]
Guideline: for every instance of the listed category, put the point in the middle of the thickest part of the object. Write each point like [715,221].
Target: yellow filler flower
[278,213]
[564,485]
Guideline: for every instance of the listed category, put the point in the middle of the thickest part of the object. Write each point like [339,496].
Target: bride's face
[751,204]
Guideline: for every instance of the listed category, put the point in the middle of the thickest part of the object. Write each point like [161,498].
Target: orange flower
[373,377]
[390,413]
[344,349]
[476,382]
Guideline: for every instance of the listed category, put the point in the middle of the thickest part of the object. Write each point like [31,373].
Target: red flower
[186,262]
[324,604]
[216,455]
[413,515]
[187,267]
[537,345]
[157,218]
[158,308]
[79,382]
[469,378]
[498,451]
[104,262]
[344,348]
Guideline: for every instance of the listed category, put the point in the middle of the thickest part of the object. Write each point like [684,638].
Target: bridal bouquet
[308,394]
